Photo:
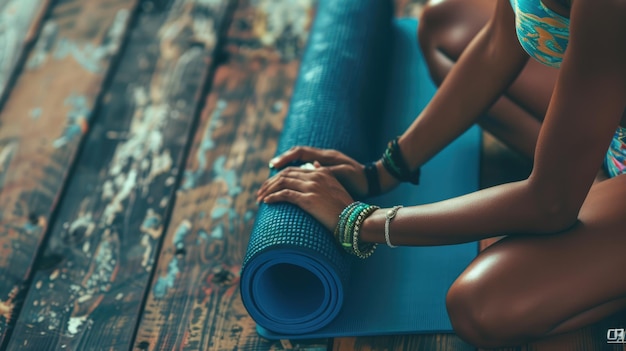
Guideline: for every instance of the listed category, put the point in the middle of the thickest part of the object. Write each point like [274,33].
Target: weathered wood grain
[194,301]
[89,292]
[19,24]
[271,30]
[41,126]
[431,342]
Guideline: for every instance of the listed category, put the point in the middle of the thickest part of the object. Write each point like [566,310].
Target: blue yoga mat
[362,81]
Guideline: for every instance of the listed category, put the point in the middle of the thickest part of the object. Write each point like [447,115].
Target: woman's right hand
[348,171]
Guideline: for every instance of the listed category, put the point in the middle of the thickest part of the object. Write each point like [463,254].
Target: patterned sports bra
[544,35]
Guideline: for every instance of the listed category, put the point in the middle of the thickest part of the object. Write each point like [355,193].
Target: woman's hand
[316,191]
[348,172]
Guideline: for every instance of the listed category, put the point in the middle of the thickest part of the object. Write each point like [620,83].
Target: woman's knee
[469,320]
[451,24]
[484,316]
[446,27]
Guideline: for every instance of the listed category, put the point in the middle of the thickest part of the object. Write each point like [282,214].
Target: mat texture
[362,81]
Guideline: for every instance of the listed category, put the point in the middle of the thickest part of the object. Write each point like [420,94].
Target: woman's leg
[446,27]
[528,287]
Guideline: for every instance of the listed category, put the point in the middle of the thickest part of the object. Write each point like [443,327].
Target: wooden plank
[41,127]
[194,301]
[271,30]
[429,342]
[19,24]
[107,234]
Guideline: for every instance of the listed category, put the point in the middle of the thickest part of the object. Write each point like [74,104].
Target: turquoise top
[543,33]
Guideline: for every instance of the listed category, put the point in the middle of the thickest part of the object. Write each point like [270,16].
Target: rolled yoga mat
[296,282]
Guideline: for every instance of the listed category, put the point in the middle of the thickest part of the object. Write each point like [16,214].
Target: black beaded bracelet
[394,163]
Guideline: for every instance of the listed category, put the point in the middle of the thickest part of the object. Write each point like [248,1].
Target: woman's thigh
[525,287]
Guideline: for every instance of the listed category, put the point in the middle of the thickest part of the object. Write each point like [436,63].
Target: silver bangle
[389,216]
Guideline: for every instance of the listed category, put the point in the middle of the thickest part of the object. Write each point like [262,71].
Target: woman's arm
[586,107]
[489,64]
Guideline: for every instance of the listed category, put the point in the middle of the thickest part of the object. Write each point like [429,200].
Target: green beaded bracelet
[366,250]
[341,224]
[349,225]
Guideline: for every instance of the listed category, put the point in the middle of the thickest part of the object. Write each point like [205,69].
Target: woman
[560,265]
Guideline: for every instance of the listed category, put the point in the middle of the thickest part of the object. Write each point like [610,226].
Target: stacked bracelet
[347,231]
[394,163]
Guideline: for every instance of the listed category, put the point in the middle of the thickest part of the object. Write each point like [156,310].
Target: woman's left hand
[316,191]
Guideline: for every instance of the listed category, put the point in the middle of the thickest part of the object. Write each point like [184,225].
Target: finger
[293,179]
[287,195]
[307,154]
[282,184]
[291,172]
[291,155]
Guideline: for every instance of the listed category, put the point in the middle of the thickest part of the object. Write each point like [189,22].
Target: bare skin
[446,28]
[554,272]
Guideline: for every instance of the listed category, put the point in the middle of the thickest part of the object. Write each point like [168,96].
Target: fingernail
[273,162]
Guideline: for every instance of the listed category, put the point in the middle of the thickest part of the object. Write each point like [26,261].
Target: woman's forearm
[501,210]
[486,68]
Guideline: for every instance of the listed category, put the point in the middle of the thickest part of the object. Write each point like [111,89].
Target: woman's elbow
[555,214]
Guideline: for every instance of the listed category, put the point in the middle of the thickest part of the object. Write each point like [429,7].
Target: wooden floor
[133,134]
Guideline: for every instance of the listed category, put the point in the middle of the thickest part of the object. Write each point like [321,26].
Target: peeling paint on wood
[194,302]
[214,212]
[19,23]
[112,219]
[89,55]
[7,152]
[77,119]
[43,120]
[274,30]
